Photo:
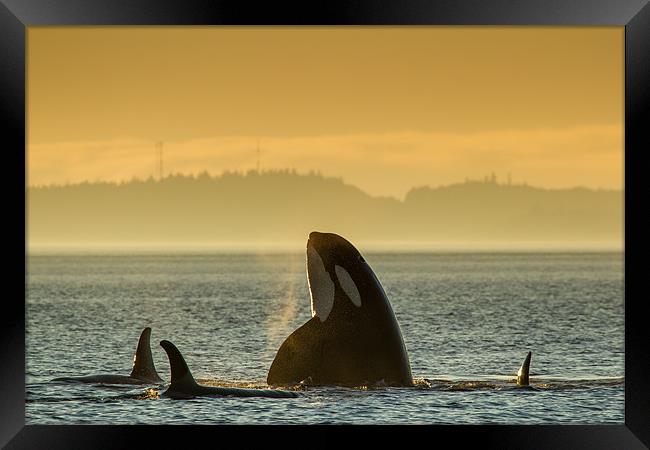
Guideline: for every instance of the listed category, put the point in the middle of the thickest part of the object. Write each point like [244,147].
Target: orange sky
[386,108]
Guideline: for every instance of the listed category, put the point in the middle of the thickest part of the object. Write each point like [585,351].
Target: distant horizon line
[490,179]
[265,247]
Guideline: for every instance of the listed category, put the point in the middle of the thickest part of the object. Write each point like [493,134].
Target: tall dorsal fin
[181,375]
[143,367]
[522,373]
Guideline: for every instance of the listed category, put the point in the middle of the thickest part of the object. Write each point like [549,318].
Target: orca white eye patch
[348,285]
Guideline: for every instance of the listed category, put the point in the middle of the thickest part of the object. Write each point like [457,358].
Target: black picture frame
[16,15]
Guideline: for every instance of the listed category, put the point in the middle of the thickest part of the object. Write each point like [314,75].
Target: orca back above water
[144,371]
[353,337]
[183,385]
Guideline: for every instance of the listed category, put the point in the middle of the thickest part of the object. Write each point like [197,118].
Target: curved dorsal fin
[143,367]
[181,375]
[522,373]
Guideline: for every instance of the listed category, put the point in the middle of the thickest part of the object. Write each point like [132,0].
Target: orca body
[183,385]
[523,372]
[353,338]
[144,371]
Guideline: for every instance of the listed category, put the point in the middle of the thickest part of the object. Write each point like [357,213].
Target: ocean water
[468,320]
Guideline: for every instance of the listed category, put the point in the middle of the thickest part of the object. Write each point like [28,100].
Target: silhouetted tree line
[283,205]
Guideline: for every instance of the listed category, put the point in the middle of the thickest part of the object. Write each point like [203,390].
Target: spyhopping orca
[353,337]
[144,371]
[183,384]
[522,373]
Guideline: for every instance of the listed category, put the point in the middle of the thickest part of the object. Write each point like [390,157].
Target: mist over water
[468,320]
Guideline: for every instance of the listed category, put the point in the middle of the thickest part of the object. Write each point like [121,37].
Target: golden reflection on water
[149,394]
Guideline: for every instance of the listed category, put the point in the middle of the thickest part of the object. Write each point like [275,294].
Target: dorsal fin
[181,375]
[143,367]
[522,373]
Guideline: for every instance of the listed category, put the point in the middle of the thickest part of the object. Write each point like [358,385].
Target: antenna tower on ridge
[159,156]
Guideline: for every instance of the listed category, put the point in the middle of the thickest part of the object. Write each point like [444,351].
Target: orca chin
[353,337]
[144,371]
[524,371]
[184,386]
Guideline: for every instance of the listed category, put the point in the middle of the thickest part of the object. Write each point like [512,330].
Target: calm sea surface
[468,321]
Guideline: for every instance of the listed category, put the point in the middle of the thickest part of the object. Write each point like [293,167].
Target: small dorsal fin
[181,375]
[143,367]
[523,372]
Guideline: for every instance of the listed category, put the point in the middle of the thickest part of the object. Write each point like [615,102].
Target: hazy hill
[486,210]
[283,207]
